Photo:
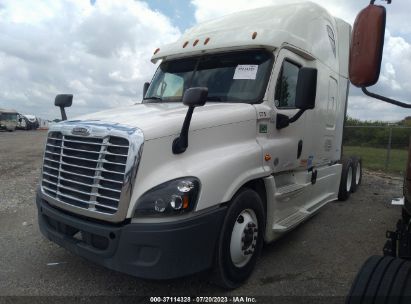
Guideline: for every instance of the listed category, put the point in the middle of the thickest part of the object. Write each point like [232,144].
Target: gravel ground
[319,258]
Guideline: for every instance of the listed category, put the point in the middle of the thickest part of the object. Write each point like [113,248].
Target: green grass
[374,158]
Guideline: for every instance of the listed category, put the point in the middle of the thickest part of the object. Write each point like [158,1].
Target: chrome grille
[86,172]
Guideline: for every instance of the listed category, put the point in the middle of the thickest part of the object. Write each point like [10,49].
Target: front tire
[240,241]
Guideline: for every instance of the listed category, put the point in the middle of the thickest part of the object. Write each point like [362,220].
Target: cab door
[286,145]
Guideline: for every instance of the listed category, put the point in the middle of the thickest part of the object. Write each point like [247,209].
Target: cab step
[291,221]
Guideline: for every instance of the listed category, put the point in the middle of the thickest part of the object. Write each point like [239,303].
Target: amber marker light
[267,157]
[206,41]
[156,51]
[195,42]
[185,202]
[254,35]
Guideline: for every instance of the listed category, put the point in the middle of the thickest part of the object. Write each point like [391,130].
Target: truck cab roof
[305,28]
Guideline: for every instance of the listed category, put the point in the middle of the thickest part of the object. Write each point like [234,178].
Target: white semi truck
[237,141]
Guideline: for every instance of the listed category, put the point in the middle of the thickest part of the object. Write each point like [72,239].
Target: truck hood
[164,119]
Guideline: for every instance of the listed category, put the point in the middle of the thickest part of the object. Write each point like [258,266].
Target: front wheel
[241,240]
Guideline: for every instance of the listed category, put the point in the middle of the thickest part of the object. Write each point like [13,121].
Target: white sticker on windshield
[246,71]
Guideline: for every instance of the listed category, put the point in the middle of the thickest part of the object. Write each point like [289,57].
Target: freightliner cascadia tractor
[237,141]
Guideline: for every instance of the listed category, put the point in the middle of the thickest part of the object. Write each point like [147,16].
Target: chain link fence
[382,148]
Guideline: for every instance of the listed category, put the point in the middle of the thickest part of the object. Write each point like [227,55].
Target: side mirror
[306,89]
[145,88]
[367,45]
[195,97]
[63,101]
[306,93]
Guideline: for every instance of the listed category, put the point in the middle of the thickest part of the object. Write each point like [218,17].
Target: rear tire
[346,179]
[241,240]
[357,173]
[382,279]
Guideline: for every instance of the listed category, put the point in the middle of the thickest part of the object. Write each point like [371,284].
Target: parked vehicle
[382,279]
[260,97]
[22,122]
[33,122]
[8,119]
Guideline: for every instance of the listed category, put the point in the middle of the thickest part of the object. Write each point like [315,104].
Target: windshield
[230,77]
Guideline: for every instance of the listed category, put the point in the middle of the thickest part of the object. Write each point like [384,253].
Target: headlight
[173,197]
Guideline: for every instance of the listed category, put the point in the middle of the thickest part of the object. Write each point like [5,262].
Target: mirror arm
[63,113]
[386,99]
[180,144]
[284,121]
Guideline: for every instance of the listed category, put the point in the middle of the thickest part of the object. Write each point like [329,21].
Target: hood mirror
[63,101]
[193,97]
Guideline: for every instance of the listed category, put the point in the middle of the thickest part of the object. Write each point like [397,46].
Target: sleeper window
[286,87]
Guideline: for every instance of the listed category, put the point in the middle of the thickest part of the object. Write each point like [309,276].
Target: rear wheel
[241,240]
[357,173]
[382,280]
[346,179]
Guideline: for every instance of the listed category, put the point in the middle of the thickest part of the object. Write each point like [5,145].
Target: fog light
[159,205]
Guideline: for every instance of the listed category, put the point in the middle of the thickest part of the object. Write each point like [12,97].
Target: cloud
[99,51]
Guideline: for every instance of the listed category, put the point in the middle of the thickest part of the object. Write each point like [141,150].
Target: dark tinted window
[286,85]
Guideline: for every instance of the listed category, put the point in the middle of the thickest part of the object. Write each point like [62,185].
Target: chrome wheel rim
[358,174]
[244,238]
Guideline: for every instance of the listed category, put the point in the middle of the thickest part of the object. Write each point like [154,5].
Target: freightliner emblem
[82,131]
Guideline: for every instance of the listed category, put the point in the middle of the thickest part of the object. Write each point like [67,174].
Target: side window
[286,85]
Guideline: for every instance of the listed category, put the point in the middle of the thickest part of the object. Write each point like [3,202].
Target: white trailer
[260,150]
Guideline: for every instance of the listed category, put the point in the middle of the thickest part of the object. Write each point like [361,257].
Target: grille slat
[86,172]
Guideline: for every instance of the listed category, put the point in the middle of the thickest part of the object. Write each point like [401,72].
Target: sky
[100,50]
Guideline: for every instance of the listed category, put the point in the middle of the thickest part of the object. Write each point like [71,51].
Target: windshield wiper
[153,98]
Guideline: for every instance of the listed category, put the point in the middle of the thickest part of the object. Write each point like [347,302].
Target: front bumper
[153,251]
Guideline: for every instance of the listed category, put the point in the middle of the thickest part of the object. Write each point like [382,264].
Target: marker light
[156,51]
[185,44]
[195,42]
[254,35]
[206,41]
